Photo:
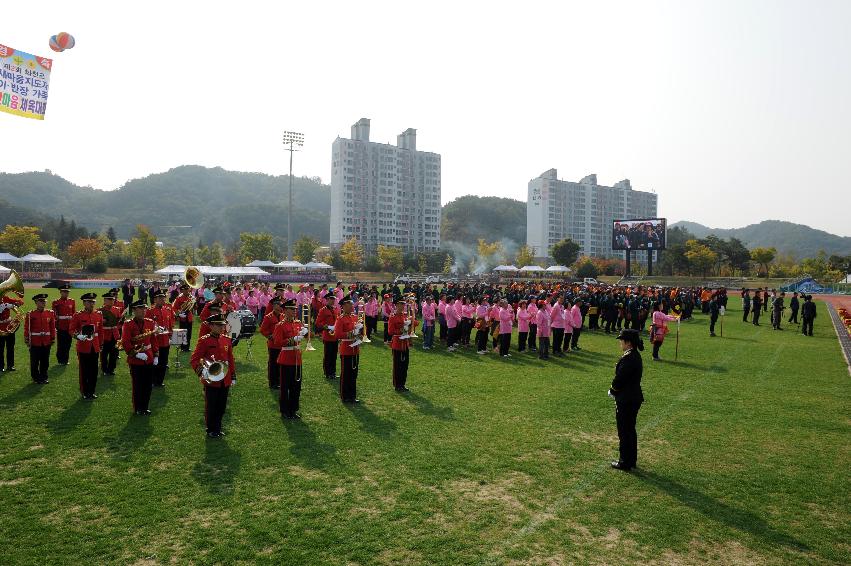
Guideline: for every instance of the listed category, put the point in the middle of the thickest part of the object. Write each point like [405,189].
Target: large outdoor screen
[639,234]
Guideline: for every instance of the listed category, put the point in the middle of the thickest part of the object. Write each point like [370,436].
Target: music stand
[248,353]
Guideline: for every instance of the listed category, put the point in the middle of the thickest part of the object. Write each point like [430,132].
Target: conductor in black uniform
[626,391]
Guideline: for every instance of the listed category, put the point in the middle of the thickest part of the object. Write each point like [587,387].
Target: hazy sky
[734,112]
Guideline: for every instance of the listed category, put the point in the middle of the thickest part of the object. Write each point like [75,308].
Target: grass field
[743,458]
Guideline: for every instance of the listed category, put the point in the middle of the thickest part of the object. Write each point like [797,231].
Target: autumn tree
[390,258]
[304,248]
[700,256]
[254,246]
[143,247]
[20,240]
[351,254]
[525,256]
[488,252]
[84,250]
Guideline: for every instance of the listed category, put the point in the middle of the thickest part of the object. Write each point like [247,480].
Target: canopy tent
[261,263]
[40,258]
[505,268]
[8,257]
[317,265]
[5,270]
[211,271]
[531,268]
[291,265]
[558,269]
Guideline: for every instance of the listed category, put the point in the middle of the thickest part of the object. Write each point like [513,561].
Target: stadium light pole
[291,139]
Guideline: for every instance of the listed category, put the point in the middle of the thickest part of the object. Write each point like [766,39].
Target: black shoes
[621,466]
[402,389]
[215,434]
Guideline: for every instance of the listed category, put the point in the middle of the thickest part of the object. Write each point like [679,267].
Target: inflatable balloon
[61,41]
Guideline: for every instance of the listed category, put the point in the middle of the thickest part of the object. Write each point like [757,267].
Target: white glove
[358,327]
[156,361]
[81,336]
[4,306]
[142,356]
[612,395]
[297,339]
[331,328]
[182,315]
[407,323]
[303,332]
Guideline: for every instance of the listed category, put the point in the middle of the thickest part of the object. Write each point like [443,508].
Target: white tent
[211,271]
[505,268]
[317,265]
[4,270]
[847,279]
[558,269]
[40,258]
[290,265]
[261,263]
[8,257]
[531,268]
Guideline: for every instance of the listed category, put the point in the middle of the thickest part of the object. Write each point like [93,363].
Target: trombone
[305,320]
[362,320]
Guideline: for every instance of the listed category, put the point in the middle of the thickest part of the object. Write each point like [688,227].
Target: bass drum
[246,323]
[234,326]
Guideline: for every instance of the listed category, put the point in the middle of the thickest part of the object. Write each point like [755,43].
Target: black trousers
[610,324]
[39,359]
[88,372]
[521,341]
[141,383]
[625,415]
[565,343]
[574,341]
[593,321]
[558,336]
[481,340]
[215,403]
[329,359]
[494,336]
[108,357]
[747,311]
[807,326]
[466,330]
[441,320]
[756,316]
[7,343]
[290,389]
[401,358]
[533,332]
[159,370]
[712,321]
[544,347]
[371,325]
[504,343]
[794,316]
[188,327]
[273,370]
[63,346]
[386,330]
[349,378]
[451,336]
[656,347]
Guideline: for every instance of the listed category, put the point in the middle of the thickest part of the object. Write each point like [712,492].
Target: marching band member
[214,346]
[111,334]
[218,301]
[163,316]
[287,337]
[184,315]
[429,319]
[347,331]
[542,321]
[86,327]
[7,333]
[64,309]
[267,329]
[506,323]
[139,343]
[39,335]
[400,325]
[326,319]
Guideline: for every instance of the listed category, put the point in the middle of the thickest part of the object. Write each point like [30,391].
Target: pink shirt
[263,300]
[429,312]
[452,316]
[482,311]
[371,308]
[660,319]
[557,316]
[441,307]
[506,320]
[577,316]
[533,312]
[523,317]
[467,311]
[493,314]
[543,320]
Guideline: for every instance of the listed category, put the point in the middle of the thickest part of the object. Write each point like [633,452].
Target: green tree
[143,247]
[390,258]
[565,252]
[304,248]
[351,254]
[488,253]
[764,256]
[20,240]
[585,267]
[447,264]
[110,233]
[738,256]
[700,256]
[525,256]
[83,250]
[172,255]
[254,246]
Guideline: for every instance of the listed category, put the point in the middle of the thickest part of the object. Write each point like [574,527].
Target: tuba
[193,277]
[13,284]
[213,370]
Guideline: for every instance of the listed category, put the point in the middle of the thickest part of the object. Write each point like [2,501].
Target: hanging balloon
[61,41]
[55,45]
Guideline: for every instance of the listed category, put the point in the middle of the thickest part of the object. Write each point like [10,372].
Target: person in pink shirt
[467,311]
[557,325]
[568,326]
[523,317]
[506,323]
[482,326]
[659,328]
[387,309]
[532,309]
[453,318]
[576,313]
[542,321]
[493,317]
[441,316]
[253,304]
[429,318]
[370,311]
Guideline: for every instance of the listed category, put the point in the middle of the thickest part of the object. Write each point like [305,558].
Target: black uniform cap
[89,297]
[137,304]
[40,297]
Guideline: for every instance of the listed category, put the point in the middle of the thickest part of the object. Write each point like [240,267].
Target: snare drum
[179,337]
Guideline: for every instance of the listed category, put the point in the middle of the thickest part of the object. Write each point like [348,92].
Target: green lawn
[743,458]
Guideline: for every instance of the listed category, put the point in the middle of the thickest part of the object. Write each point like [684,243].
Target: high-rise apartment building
[385,194]
[583,212]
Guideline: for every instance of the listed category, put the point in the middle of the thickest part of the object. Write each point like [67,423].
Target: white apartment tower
[583,212]
[385,194]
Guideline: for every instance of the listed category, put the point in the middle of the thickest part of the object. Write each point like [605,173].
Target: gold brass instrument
[193,277]
[139,348]
[13,284]
[362,319]
[213,370]
[412,315]
[305,320]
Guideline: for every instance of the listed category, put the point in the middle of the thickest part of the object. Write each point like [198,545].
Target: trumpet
[305,320]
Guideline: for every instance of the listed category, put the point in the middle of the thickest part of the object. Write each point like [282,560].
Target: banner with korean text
[24,79]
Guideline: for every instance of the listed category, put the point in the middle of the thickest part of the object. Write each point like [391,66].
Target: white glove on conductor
[142,356]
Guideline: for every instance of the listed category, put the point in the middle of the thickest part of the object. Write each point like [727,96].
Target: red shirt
[40,328]
[81,319]
[6,315]
[218,348]
[342,329]
[132,329]
[396,326]
[267,327]
[64,310]
[283,338]
[163,316]
[111,333]
[177,305]
[326,318]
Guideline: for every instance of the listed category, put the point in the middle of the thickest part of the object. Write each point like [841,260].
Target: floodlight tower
[291,139]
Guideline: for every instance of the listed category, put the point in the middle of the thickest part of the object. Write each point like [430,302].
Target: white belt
[348,339]
[39,333]
[110,327]
[64,317]
[289,348]
[145,348]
